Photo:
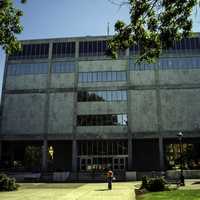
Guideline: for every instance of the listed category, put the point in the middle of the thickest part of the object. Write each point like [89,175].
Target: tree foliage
[10,25]
[154,25]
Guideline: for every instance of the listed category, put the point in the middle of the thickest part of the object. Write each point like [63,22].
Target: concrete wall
[38,81]
[101,131]
[146,77]
[180,109]
[61,113]
[143,110]
[102,65]
[23,114]
[187,76]
[64,80]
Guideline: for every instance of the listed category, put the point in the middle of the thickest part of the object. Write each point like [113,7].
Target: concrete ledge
[131,176]
[25,176]
[189,174]
[60,176]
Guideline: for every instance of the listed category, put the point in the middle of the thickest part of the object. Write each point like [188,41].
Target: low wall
[25,176]
[189,174]
[35,177]
[60,176]
[131,176]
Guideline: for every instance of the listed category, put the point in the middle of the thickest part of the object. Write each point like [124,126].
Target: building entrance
[102,163]
[102,155]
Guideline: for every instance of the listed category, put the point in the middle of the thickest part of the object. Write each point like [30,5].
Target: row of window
[26,69]
[69,67]
[89,48]
[92,48]
[63,49]
[103,76]
[119,95]
[63,67]
[31,51]
[168,63]
[106,147]
[179,63]
[102,120]
[40,68]
[184,44]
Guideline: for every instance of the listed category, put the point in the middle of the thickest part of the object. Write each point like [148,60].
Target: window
[89,77]
[31,51]
[102,120]
[118,95]
[63,49]
[179,63]
[106,147]
[103,76]
[85,77]
[26,69]
[186,44]
[140,67]
[92,48]
[63,67]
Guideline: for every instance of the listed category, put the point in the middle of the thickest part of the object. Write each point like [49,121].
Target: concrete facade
[44,107]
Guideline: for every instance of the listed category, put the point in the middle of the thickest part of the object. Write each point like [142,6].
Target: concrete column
[0,150]
[130,154]
[74,156]
[44,155]
[161,153]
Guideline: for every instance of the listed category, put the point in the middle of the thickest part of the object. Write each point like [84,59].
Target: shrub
[7,184]
[153,184]
[144,182]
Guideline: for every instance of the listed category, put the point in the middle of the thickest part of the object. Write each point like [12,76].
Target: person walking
[110,178]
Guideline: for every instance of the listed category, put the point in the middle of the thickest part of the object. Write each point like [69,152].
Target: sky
[68,18]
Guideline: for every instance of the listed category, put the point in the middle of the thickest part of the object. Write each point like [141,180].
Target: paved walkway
[120,191]
[72,191]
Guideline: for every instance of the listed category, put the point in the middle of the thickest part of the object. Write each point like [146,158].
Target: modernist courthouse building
[87,112]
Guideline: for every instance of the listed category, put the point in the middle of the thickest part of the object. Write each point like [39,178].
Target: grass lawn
[172,195]
[71,191]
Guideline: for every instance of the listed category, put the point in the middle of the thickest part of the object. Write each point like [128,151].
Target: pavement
[82,191]
[70,191]
[120,191]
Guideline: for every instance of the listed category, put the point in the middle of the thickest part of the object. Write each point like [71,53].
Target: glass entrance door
[119,164]
[102,163]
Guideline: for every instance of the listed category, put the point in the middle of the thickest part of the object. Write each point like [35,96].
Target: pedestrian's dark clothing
[109,179]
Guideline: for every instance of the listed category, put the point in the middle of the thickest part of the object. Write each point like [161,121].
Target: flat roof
[80,38]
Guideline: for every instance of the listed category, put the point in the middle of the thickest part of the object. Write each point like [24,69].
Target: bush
[153,184]
[144,182]
[7,184]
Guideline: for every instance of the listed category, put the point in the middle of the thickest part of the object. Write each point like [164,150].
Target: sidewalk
[191,184]
[120,191]
[72,191]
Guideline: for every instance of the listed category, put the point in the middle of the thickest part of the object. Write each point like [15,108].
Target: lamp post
[182,179]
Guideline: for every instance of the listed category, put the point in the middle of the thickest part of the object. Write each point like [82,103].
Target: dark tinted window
[63,67]
[31,51]
[92,48]
[63,49]
[119,95]
[103,76]
[26,69]
[102,120]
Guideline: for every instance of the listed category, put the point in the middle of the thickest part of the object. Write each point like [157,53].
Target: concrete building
[83,111]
